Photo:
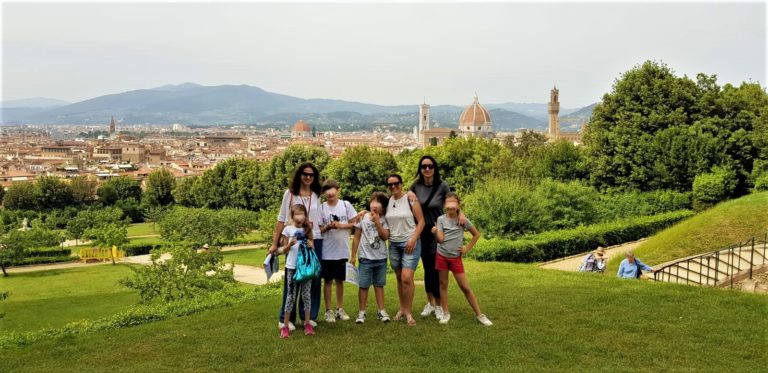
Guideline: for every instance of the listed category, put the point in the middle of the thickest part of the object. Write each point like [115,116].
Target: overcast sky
[377,53]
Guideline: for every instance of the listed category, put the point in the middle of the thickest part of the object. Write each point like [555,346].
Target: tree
[107,194]
[360,171]
[276,175]
[525,146]
[15,244]
[131,209]
[21,196]
[108,236]
[95,218]
[2,193]
[198,226]
[154,214]
[560,160]
[83,190]
[125,187]
[656,130]
[160,185]
[52,193]
[185,192]
[233,183]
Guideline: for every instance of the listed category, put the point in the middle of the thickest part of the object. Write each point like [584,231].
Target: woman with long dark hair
[430,191]
[304,190]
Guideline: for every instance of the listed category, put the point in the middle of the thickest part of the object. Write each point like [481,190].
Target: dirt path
[243,273]
[572,263]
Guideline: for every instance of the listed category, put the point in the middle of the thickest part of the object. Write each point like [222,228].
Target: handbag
[307,264]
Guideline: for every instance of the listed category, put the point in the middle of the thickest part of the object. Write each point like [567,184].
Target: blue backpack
[307,264]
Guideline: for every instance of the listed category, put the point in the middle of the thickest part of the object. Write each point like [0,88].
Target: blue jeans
[372,272]
[315,292]
[400,259]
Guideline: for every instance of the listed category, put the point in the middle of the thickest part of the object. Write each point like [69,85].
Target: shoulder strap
[431,195]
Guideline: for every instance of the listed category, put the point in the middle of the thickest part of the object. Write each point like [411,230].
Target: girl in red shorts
[450,247]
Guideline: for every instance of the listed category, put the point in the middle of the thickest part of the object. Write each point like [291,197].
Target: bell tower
[554,108]
[423,119]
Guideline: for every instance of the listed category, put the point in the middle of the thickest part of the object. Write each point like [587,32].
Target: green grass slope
[56,297]
[544,320]
[728,223]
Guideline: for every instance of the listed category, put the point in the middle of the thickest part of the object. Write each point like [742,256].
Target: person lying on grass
[450,248]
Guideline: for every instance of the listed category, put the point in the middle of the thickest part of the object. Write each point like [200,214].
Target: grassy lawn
[727,223]
[142,229]
[544,320]
[146,240]
[54,298]
[251,257]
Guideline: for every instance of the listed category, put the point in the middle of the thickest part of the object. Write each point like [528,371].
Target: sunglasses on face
[392,185]
[427,166]
[307,174]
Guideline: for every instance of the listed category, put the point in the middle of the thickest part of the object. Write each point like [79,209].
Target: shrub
[713,187]
[502,207]
[132,249]
[556,244]
[48,259]
[49,251]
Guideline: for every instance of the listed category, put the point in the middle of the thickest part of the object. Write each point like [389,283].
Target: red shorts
[454,265]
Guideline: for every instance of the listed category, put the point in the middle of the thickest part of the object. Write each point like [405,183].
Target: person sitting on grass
[450,248]
[594,261]
[370,244]
[631,267]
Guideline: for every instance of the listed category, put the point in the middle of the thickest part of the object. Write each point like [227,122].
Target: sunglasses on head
[392,185]
[428,166]
[307,174]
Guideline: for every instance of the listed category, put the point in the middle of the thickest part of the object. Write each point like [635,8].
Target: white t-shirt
[293,254]
[336,241]
[372,246]
[400,218]
[311,203]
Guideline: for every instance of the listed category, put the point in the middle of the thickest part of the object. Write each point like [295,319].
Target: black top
[435,207]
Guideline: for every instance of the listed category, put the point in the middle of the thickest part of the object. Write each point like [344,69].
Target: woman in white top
[304,190]
[406,222]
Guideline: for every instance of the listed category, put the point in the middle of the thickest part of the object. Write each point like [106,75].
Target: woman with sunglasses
[405,225]
[430,191]
[304,190]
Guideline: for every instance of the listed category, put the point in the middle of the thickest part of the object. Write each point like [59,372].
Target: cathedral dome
[301,126]
[474,115]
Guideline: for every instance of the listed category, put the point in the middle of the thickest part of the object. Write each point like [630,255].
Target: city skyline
[386,54]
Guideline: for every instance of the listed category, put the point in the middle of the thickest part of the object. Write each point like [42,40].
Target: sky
[385,53]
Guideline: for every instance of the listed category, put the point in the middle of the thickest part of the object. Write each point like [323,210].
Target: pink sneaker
[284,332]
[308,329]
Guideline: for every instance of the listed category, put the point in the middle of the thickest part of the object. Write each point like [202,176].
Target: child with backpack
[293,236]
[450,248]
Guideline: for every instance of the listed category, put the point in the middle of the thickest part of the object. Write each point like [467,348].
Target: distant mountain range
[195,104]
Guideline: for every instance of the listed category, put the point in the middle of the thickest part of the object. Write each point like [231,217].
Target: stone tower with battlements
[554,108]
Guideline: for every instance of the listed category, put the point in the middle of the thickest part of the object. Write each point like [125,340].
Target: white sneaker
[445,318]
[330,316]
[484,320]
[291,327]
[439,312]
[428,309]
[383,316]
[360,317]
[311,322]
[342,315]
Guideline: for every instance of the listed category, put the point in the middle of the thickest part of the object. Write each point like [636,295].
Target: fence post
[751,258]
[731,250]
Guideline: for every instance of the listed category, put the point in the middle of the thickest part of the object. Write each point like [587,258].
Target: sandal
[411,320]
[398,316]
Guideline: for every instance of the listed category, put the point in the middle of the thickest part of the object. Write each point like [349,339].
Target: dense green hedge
[143,314]
[49,251]
[133,249]
[557,244]
[48,259]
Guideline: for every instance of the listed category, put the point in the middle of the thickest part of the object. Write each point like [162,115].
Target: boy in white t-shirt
[370,245]
[338,217]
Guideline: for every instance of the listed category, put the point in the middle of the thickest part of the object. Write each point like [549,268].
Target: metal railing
[717,268]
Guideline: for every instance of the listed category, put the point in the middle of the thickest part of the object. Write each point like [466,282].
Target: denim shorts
[372,272]
[400,259]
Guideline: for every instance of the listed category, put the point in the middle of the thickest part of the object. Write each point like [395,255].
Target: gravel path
[243,273]
[572,263]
